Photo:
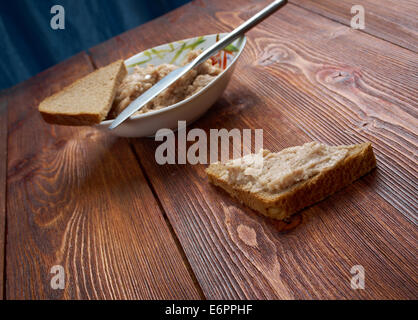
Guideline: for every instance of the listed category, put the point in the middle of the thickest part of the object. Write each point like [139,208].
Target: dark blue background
[28,45]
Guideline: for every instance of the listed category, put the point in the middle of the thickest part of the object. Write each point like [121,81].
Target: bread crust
[357,163]
[80,119]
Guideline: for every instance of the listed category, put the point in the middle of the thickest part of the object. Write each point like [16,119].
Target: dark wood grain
[392,20]
[78,198]
[3,181]
[302,77]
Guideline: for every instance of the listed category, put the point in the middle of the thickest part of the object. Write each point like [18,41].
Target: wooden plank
[3,165]
[375,77]
[77,198]
[391,20]
[331,84]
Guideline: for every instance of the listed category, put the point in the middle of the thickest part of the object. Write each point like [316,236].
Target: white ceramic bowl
[190,109]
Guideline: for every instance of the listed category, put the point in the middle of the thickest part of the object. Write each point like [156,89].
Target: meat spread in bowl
[144,78]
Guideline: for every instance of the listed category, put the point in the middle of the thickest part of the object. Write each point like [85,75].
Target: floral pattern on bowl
[174,53]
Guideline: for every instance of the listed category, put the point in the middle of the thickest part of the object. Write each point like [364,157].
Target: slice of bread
[357,161]
[88,100]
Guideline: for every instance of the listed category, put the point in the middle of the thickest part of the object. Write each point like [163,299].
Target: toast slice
[292,179]
[88,100]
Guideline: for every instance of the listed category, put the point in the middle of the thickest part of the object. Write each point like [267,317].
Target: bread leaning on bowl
[358,161]
[88,100]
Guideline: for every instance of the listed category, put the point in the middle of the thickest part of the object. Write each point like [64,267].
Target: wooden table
[124,227]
